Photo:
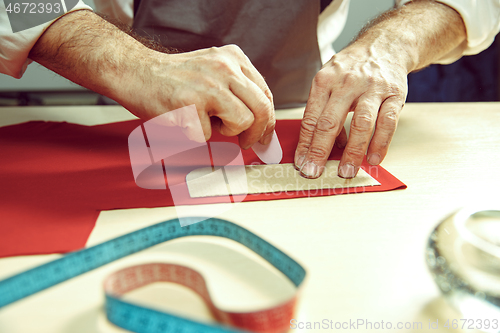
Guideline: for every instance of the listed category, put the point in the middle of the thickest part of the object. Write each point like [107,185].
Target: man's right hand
[229,93]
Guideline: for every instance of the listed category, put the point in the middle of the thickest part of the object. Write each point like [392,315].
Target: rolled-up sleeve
[15,47]
[482,22]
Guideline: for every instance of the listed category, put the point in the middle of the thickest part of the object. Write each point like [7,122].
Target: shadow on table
[437,312]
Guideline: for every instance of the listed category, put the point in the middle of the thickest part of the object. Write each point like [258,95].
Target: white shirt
[481,18]
[482,22]
[15,47]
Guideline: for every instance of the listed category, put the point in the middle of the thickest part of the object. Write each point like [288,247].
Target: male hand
[369,78]
[229,93]
[371,84]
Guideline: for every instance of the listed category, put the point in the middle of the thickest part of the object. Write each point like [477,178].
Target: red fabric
[56,177]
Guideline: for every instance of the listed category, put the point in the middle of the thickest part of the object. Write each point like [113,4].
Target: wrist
[139,67]
[379,47]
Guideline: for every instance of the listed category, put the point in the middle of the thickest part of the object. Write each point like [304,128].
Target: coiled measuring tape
[145,320]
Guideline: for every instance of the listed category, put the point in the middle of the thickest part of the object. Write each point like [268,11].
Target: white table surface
[364,253]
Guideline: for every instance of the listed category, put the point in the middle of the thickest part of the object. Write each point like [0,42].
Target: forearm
[221,82]
[92,52]
[414,35]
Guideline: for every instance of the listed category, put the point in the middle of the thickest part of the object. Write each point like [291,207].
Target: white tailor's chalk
[271,153]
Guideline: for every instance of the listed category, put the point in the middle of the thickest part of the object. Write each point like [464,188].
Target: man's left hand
[358,79]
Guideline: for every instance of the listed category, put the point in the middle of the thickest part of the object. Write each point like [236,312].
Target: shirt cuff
[15,47]
[482,22]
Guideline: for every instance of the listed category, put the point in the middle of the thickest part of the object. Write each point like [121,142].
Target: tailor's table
[364,253]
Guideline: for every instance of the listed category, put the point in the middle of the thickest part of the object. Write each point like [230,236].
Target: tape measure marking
[133,317]
[275,319]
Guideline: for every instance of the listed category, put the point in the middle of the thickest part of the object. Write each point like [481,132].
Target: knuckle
[370,79]
[241,124]
[362,121]
[269,94]
[265,104]
[388,121]
[354,153]
[246,121]
[395,90]
[242,119]
[327,124]
[210,83]
[262,107]
[302,148]
[308,125]
[221,64]
[352,78]
[233,49]
[321,79]
[318,152]
[213,89]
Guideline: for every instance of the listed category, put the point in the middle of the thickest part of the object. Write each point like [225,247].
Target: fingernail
[374,159]
[347,171]
[309,170]
[267,139]
[299,162]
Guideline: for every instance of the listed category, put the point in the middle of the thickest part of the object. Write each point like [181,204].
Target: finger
[269,131]
[387,122]
[193,123]
[249,70]
[341,140]
[260,106]
[328,126]
[249,85]
[234,114]
[205,123]
[362,124]
[318,99]
[252,73]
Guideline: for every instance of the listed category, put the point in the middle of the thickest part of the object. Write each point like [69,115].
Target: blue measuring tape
[134,317]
